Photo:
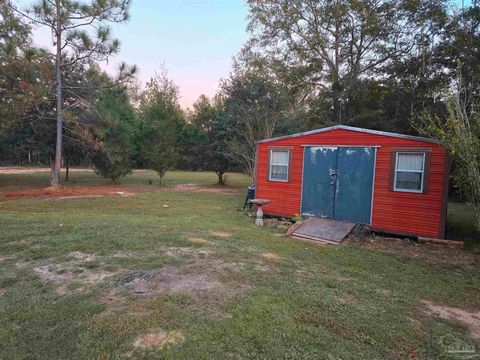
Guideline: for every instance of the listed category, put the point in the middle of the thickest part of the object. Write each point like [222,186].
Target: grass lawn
[461,224]
[181,272]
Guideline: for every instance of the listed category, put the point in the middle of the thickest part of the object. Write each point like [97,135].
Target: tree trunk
[67,168]
[55,180]
[162,177]
[336,87]
[337,101]
[221,178]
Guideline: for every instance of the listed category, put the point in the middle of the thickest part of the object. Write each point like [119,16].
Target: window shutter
[426,172]
[393,160]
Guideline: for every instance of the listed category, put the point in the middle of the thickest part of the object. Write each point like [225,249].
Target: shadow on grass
[461,225]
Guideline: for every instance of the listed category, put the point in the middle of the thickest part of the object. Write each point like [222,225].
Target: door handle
[333,176]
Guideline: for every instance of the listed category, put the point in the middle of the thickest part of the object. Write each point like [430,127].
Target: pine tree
[80,36]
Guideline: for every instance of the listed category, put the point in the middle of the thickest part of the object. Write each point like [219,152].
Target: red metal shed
[395,183]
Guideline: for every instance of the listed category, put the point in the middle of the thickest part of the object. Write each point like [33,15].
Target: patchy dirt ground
[78,271]
[197,188]
[30,170]
[197,240]
[430,253]
[187,251]
[212,293]
[271,256]
[205,278]
[158,339]
[4,257]
[75,192]
[220,234]
[166,279]
[471,320]
[64,192]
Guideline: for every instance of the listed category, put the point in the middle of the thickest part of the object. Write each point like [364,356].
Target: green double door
[338,182]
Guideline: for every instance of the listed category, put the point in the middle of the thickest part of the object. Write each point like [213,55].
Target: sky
[194,40]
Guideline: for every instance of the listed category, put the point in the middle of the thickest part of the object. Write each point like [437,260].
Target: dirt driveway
[64,192]
[30,170]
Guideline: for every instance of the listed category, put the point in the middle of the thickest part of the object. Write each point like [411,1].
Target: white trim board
[351,128]
[342,146]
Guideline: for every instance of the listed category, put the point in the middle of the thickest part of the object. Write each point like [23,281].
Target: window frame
[423,171]
[288,165]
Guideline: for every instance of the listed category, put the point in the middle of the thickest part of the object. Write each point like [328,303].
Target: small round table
[259,203]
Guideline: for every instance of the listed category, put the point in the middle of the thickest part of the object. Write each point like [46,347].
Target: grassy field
[181,272]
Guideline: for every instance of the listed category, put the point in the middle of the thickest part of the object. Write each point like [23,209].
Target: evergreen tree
[115,134]
[215,131]
[162,123]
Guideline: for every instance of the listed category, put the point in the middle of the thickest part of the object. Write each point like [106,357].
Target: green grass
[461,224]
[344,302]
[137,178]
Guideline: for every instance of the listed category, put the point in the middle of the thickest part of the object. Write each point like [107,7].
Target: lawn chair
[250,196]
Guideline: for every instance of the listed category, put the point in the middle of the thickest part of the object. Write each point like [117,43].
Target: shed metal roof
[351,128]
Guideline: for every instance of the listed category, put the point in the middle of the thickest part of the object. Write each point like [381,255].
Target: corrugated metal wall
[400,212]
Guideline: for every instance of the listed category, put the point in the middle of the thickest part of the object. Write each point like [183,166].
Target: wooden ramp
[323,230]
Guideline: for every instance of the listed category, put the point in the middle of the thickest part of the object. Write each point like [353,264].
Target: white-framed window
[279,165]
[409,171]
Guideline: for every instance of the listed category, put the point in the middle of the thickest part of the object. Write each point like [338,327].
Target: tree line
[62,108]
[408,66]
